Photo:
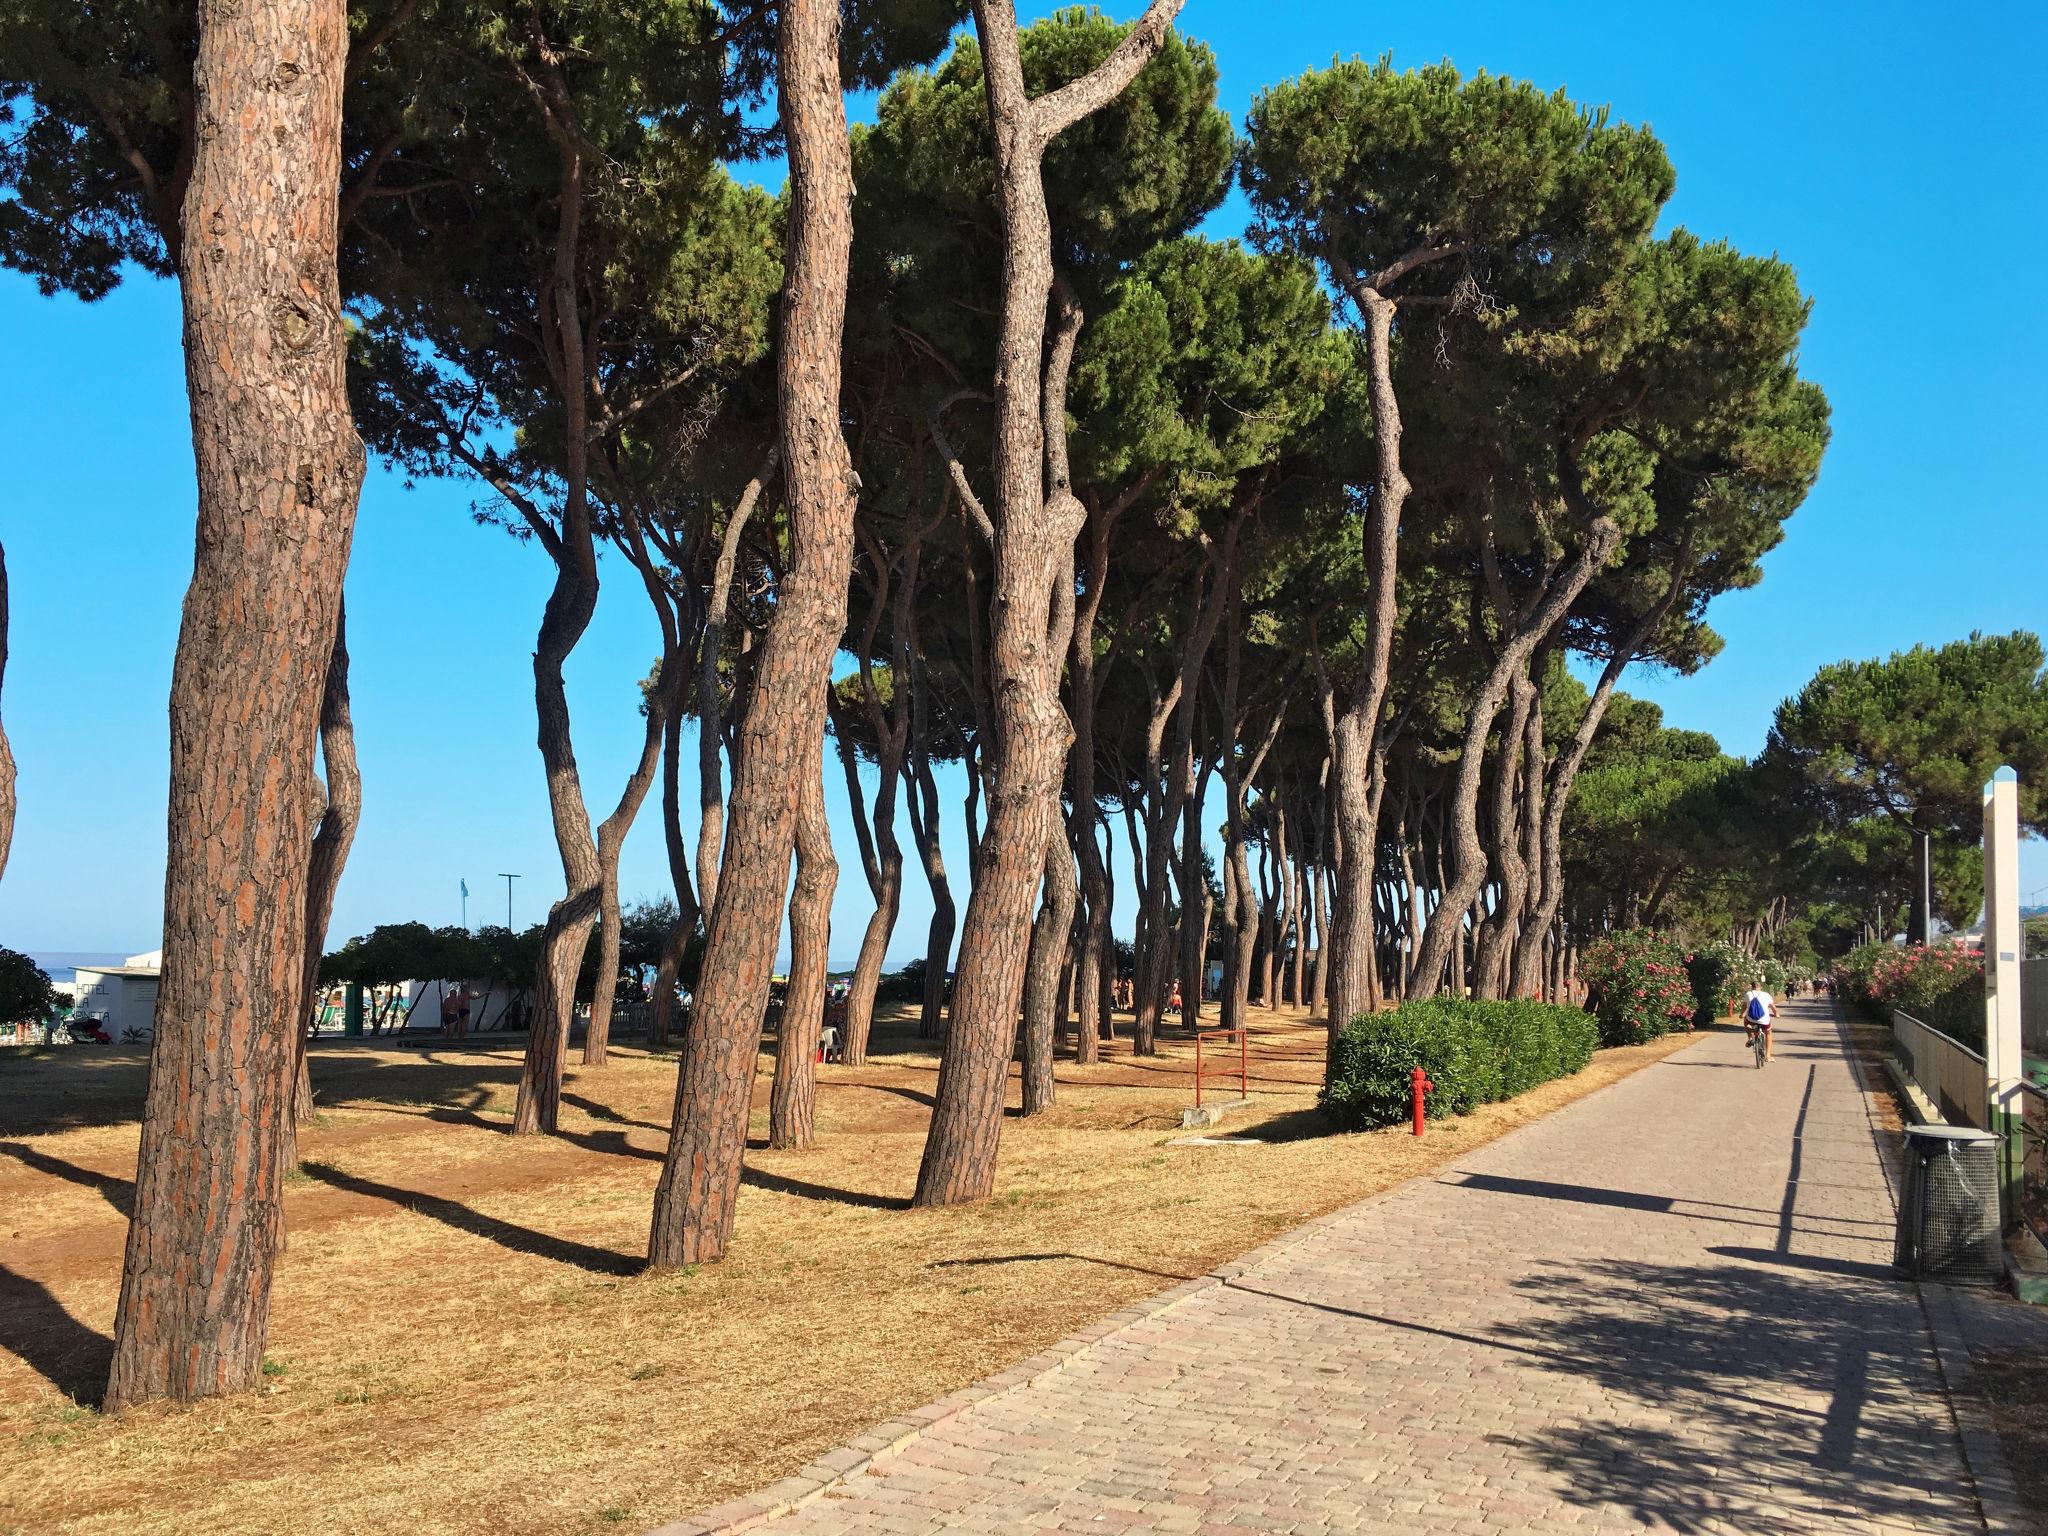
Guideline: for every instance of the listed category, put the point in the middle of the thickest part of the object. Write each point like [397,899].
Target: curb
[1991,1479]
[1998,1495]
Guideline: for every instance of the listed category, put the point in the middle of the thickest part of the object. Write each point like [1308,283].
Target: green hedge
[1474,1052]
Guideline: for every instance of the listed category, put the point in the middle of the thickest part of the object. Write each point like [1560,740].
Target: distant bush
[904,986]
[1474,1052]
[26,994]
[1640,985]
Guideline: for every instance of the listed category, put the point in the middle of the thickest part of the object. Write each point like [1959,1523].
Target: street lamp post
[508,879]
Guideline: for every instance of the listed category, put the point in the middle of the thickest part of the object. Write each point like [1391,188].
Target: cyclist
[1758,1009]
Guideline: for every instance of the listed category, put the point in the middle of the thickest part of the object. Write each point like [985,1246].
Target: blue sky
[1890,154]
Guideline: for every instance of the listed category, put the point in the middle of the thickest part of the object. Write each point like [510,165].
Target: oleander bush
[1640,985]
[1474,1052]
[1941,985]
[1719,974]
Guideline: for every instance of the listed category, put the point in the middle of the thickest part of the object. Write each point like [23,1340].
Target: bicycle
[1760,1043]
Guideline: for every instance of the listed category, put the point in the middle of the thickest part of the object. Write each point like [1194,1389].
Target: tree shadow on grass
[803,1189]
[506,1234]
[37,1329]
[119,1192]
[990,1260]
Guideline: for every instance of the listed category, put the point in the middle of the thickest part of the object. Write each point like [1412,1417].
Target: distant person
[1758,1009]
[449,1014]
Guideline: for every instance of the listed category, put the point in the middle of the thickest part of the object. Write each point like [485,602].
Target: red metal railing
[1244,1078]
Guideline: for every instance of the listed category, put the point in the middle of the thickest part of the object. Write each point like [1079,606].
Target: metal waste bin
[1948,1208]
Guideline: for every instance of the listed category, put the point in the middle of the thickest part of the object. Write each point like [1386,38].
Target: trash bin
[1948,1207]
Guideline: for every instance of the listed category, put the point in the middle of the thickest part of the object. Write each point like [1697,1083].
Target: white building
[123,995]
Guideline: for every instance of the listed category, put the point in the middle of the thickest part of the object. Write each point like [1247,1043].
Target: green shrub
[1958,1012]
[1718,974]
[1474,1052]
[904,986]
[1640,983]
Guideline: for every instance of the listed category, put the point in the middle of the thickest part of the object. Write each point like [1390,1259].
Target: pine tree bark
[605,993]
[1504,847]
[710,713]
[881,858]
[793,1095]
[337,831]
[938,943]
[279,469]
[783,729]
[669,966]
[1037,520]
[1044,996]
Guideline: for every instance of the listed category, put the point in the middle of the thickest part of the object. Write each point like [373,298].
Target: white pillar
[2003,943]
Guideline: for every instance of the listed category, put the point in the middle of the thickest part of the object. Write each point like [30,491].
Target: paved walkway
[1665,1308]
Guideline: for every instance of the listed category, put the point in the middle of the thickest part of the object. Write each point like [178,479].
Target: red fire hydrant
[1423,1087]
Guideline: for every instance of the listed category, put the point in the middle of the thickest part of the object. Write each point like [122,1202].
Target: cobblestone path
[1663,1308]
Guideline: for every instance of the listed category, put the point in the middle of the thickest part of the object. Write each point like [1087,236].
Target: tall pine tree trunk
[1044,995]
[793,1096]
[1540,616]
[1037,519]
[330,853]
[785,718]
[279,468]
[938,942]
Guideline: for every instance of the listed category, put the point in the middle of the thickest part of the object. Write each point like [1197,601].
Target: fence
[2034,1170]
[2034,1007]
[1951,1076]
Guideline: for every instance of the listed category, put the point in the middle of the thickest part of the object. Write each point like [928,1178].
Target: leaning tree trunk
[1351,939]
[6,752]
[1504,850]
[567,615]
[1151,960]
[938,943]
[670,964]
[785,716]
[605,992]
[1468,857]
[1564,771]
[330,852]
[1044,990]
[279,468]
[793,1096]
[1033,532]
[881,858]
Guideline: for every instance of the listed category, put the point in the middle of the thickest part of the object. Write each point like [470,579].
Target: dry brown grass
[460,1336]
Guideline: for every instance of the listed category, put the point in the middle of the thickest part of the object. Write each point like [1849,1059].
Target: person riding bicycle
[1758,1009]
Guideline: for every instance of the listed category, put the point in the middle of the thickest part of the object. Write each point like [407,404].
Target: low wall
[1952,1077]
